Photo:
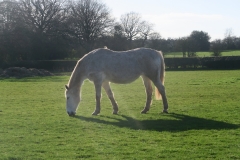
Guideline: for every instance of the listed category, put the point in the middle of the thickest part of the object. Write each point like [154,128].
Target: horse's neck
[76,79]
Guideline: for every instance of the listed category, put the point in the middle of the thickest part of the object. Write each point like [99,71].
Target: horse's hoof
[115,112]
[143,112]
[95,113]
[164,111]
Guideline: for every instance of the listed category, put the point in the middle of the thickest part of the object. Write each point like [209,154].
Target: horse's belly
[122,79]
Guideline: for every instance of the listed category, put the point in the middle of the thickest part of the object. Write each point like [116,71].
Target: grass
[204,54]
[203,122]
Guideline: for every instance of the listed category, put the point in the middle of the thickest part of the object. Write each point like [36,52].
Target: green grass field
[203,120]
[204,54]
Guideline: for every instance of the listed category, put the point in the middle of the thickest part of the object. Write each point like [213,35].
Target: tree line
[59,29]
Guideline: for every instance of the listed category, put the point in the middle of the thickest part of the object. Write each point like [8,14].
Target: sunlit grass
[203,122]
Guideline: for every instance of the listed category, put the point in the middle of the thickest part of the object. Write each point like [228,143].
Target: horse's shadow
[177,122]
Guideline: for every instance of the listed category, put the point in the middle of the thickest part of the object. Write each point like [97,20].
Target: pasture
[203,54]
[203,120]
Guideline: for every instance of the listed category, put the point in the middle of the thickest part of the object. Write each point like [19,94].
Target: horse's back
[122,66]
[108,57]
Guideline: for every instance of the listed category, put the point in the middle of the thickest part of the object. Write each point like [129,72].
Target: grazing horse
[103,66]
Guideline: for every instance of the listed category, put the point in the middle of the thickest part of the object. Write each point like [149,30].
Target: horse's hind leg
[148,88]
[109,92]
[161,89]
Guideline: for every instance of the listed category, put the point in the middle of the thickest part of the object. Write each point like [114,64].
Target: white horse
[103,66]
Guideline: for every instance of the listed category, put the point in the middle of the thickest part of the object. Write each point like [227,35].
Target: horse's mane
[74,79]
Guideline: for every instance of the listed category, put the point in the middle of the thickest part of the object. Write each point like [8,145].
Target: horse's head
[72,100]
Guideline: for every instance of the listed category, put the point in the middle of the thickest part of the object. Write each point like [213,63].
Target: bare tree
[135,28]
[41,16]
[6,8]
[89,21]
[228,33]
[131,23]
[155,36]
[228,41]
[36,29]
[145,30]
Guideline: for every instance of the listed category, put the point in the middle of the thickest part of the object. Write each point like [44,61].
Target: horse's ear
[67,88]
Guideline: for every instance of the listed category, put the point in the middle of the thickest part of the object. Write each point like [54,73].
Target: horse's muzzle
[71,113]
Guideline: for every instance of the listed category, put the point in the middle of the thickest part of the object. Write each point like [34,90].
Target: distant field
[204,54]
[203,120]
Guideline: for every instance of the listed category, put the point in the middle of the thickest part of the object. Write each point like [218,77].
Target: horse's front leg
[109,92]
[98,98]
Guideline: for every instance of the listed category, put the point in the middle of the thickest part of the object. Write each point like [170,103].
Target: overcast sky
[178,18]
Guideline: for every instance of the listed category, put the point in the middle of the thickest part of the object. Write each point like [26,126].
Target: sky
[178,18]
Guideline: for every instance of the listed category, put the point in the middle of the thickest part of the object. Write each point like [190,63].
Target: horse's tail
[158,96]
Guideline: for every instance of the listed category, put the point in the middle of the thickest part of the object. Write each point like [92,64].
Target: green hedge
[231,62]
[225,62]
[182,62]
